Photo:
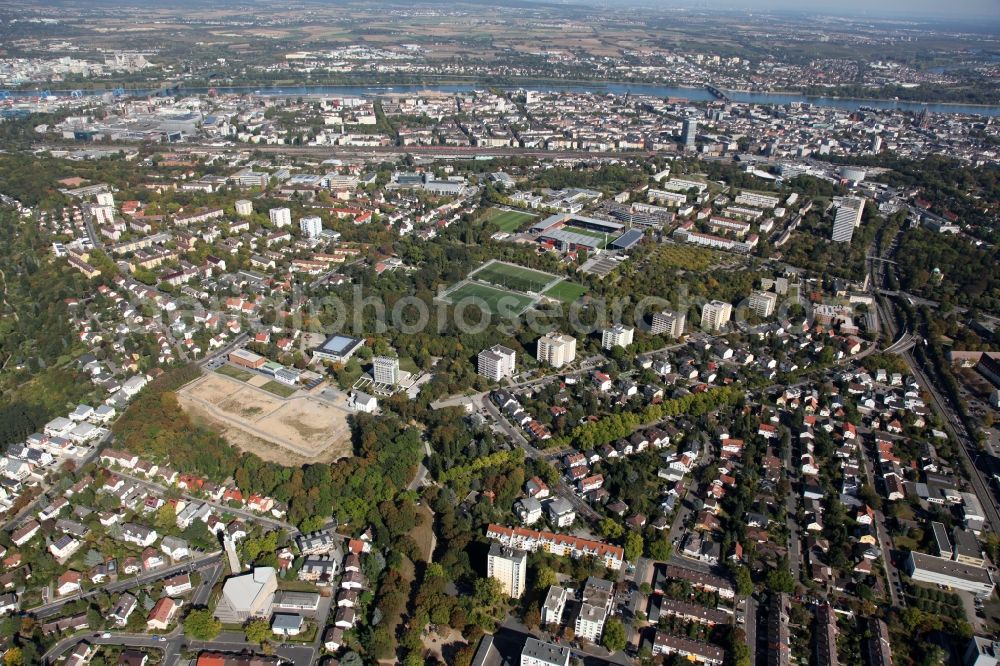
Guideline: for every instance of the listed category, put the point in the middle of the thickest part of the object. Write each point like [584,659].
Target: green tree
[613,637]
[661,549]
[780,579]
[257,631]
[201,625]
[166,517]
[611,529]
[633,546]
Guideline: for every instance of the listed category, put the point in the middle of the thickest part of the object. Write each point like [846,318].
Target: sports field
[605,239]
[514,277]
[566,291]
[469,292]
[510,220]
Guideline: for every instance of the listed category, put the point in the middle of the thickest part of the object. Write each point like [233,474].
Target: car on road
[160,639]
[106,635]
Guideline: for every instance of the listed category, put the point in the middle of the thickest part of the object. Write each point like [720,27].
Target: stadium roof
[628,239]
[566,236]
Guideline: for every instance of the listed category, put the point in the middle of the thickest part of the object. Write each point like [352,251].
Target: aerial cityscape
[510,333]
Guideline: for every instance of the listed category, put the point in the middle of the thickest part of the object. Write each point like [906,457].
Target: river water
[691,94]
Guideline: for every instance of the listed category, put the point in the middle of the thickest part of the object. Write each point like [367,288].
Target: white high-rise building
[670,323]
[311,226]
[496,363]
[762,303]
[617,336]
[556,349]
[539,653]
[105,199]
[715,315]
[244,208]
[594,608]
[103,214]
[280,217]
[385,370]
[848,219]
[509,566]
[555,604]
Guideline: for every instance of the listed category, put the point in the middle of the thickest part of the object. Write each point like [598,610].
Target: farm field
[514,277]
[513,303]
[566,291]
[510,220]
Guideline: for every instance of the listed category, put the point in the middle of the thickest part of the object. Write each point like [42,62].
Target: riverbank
[453,85]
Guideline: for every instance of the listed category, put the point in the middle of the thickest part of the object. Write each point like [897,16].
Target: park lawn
[510,276]
[407,364]
[279,389]
[566,291]
[234,372]
[491,297]
[511,220]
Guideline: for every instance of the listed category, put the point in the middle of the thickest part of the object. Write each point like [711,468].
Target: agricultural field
[509,220]
[492,297]
[566,291]
[514,277]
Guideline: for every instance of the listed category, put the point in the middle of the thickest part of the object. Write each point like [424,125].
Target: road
[882,533]
[242,513]
[52,608]
[31,506]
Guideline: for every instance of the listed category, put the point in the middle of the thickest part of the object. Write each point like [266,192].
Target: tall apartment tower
[496,363]
[385,370]
[762,303]
[617,336]
[508,566]
[280,217]
[847,219]
[244,208]
[715,315]
[669,323]
[556,349]
[311,226]
[689,132]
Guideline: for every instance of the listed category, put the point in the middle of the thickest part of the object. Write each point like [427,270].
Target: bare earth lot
[297,430]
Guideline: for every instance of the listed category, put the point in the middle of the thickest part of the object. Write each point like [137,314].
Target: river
[692,94]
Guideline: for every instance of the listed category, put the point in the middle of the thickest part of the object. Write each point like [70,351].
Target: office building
[689,133]
[939,571]
[496,363]
[847,219]
[280,217]
[311,226]
[509,566]
[244,208]
[594,608]
[385,370]
[715,315]
[669,323]
[762,303]
[556,349]
[617,336]
[537,653]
